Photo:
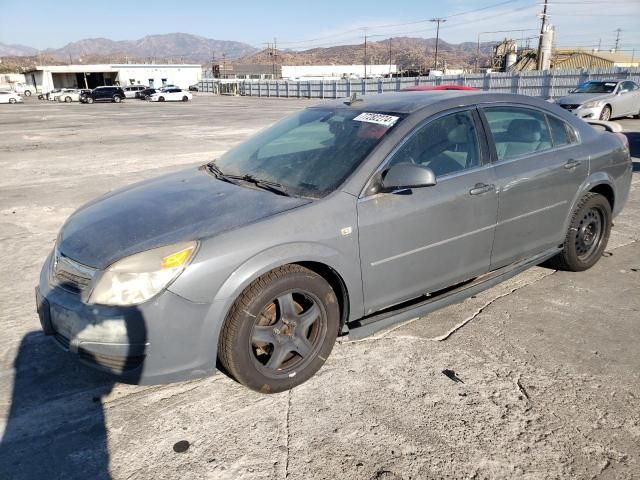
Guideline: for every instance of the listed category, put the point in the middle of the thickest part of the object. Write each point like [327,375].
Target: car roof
[411,102]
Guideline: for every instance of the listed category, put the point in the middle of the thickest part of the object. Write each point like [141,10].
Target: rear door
[417,241]
[539,167]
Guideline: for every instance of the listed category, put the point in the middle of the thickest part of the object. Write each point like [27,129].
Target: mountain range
[406,52]
[174,47]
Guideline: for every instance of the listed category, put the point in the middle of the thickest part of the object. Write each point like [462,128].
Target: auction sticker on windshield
[379,118]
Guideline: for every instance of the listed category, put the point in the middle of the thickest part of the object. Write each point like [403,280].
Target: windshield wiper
[270,186]
[213,168]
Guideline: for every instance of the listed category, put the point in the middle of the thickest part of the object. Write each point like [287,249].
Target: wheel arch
[327,262]
[598,182]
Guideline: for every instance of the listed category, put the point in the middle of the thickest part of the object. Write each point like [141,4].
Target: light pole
[438,21]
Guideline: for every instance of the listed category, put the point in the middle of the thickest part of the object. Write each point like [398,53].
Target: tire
[185,99]
[27,93]
[161,99]
[12,100]
[90,100]
[605,115]
[67,100]
[587,236]
[116,99]
[264,343]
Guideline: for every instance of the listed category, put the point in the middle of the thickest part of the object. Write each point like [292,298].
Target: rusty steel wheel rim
[288,333]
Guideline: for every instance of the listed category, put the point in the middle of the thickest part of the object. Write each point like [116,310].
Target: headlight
[592,104]
[137,278]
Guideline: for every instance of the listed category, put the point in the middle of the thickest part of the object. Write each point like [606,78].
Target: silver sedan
[603,100]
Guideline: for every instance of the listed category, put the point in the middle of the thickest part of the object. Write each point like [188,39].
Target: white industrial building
[48,77]
[335,72]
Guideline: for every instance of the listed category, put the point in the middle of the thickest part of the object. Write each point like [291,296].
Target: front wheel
[27,93]
[12,100]
[587,236]
[117,99]
[161,99]
[67,100]
[90,100]
[605,115]
[185,99]
[280,330]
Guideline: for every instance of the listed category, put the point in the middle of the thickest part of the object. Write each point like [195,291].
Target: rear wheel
[117,99]
[89,99]
[12,100]
[587,236]
[161,99]
[27,93]
[67,99]
[280,330]
[605,115]
[185,99]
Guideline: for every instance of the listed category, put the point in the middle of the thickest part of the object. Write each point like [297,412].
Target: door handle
[481,188]
[572,164]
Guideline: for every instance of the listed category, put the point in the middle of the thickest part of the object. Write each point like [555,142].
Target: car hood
[580,98]
[188,205]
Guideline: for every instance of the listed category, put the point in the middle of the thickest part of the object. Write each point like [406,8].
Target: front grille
[569,106]
[71,275]
[116,364]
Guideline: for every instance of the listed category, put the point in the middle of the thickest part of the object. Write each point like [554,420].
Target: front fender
[267,260]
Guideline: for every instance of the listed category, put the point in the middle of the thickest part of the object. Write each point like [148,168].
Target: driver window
[446,145]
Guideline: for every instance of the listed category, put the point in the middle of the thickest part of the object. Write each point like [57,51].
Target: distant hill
[406,52]
[170,47]
[16,50]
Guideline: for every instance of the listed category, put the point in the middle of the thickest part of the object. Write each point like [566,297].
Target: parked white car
[23,89]
[132,91]
[171,95]
[69,95]
[9,97]
[72,93]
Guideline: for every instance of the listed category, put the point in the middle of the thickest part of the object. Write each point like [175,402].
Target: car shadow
[56,422]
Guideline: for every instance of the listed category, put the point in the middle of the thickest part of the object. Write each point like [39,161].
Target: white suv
[23,89]
[133,91]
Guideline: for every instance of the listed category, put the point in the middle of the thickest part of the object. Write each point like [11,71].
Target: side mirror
[623,91]
[408,175]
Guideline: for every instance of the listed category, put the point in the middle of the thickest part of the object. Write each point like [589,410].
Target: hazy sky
[306,24]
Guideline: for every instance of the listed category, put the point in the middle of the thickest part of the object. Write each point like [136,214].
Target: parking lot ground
[548,361]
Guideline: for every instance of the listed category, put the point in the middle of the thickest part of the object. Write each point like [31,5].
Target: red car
[421,88]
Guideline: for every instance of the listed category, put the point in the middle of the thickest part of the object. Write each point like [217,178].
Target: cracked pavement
[549,360]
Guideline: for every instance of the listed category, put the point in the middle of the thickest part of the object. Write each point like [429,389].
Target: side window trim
[482,140]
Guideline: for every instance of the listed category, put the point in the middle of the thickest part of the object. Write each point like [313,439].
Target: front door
[417,241]
[539,168]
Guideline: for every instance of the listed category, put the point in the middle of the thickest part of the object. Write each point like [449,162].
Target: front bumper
[592,112]
[160,341]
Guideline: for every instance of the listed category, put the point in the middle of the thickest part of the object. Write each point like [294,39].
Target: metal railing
[545,84]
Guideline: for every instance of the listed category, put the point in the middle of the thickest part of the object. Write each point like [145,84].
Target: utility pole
[365,53]
[618,30]
[438,21]
[389,56]
[544,22]
[274,56]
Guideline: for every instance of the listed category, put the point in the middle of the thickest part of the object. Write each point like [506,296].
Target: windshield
[596,87]
[309,153]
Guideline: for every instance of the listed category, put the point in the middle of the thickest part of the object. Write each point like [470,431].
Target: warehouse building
[48,77]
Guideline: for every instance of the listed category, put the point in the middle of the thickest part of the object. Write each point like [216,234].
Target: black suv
[104,94]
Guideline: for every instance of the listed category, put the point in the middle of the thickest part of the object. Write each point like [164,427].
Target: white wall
[339,71]
[7,80]
[183,76]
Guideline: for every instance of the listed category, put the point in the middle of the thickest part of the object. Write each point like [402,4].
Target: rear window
[517,131]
